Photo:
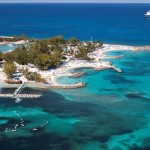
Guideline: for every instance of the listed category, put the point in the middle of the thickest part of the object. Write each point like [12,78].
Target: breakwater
[78,74]
[49,86]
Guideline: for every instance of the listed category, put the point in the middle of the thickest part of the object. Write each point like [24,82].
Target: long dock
[21,95]
[19,88]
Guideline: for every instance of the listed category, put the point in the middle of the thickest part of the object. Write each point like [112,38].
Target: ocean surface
[112,23]
[112,112]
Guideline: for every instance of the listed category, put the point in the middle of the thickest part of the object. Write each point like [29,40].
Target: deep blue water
[112,23]
[112,111]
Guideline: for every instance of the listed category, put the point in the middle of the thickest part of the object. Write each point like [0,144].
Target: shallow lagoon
[6,48]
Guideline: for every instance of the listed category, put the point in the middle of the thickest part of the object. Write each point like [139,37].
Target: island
[39,62]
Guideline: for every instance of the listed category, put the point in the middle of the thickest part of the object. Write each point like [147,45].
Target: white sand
[53,74]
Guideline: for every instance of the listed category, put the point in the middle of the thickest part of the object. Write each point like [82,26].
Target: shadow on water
[96,123]
[118,79]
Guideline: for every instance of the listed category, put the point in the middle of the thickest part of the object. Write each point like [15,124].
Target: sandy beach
[52,74]
[97,55]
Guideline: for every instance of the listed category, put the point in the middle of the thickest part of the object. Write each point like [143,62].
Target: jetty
[74,86]
[41,85]
[78,74]
[28,95]
[17,95]
[118,57]
[58,86]
[116,69]
[114,57]
[21,95]
[139,48]
[19,89]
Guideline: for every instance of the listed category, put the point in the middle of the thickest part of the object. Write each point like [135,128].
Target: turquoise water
[110,113]
[6,48]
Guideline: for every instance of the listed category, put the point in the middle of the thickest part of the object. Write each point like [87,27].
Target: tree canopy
[47,53]
[9,68]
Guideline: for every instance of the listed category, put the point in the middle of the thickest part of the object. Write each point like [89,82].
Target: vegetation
[1,56]
[33,76]
[9,69]
[42,61]
[14,38]
[82,53]
[74,41]
[18,38]
[19,55]
[48,53]
[57,40]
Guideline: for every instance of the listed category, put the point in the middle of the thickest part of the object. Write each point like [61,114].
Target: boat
[148,13]
[34,129]
[18,100]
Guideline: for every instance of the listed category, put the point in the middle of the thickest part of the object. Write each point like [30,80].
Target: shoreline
[98,54]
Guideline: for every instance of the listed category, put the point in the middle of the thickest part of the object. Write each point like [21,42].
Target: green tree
[41,46]
[20,55]
[1,56]
[32,54]
[9,69]
[82,53]
[18,38]
[42,61]
[55,58]
[8,56]
[33,76]
[73,41]
[57,40]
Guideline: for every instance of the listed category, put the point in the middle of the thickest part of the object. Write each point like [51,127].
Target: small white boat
[18,100]
[35,129]
[13,130]
[148,13]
